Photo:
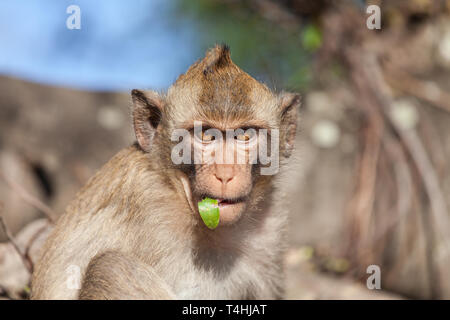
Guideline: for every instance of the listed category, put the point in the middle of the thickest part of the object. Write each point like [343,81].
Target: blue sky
[121,44]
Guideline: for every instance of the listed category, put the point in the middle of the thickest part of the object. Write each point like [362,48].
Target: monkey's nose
[224,180]
[224,173]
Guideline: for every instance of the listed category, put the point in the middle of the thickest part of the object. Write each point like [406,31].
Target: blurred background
[369,183]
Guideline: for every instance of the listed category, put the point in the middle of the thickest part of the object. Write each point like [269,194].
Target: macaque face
[225,158]
[232,128]
[225,169]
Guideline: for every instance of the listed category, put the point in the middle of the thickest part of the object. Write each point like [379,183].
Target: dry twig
[30,199]
[424,90]
[26,262]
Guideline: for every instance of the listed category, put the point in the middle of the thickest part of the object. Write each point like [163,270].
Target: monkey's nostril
[223,180]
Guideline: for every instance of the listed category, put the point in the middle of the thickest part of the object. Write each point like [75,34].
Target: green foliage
[312,37]
[275,55]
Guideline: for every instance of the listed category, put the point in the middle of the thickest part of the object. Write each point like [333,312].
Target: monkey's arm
[118,276]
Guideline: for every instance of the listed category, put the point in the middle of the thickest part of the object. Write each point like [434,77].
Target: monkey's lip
[223,202]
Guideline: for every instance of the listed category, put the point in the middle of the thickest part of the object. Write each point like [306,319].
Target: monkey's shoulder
[127,179]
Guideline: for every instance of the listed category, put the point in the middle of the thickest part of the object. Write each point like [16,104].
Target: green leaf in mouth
[209,211]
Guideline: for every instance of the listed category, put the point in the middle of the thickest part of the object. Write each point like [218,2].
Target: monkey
[134,230]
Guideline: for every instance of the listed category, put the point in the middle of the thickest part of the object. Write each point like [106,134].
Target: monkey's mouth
[225,202]
[228,202]
[230,208]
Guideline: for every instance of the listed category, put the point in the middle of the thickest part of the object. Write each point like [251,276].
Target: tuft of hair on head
[217,58]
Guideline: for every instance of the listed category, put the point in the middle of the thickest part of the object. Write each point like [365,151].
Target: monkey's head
[220,130]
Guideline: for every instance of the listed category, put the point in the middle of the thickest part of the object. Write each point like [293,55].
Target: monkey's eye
[206,137]
[246,135]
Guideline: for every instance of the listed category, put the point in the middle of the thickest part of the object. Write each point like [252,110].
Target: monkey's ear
[289,105]
[147,113]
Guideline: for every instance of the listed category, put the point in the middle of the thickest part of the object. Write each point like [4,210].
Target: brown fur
[134,231]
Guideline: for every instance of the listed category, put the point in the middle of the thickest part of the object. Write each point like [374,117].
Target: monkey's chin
[230,212]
